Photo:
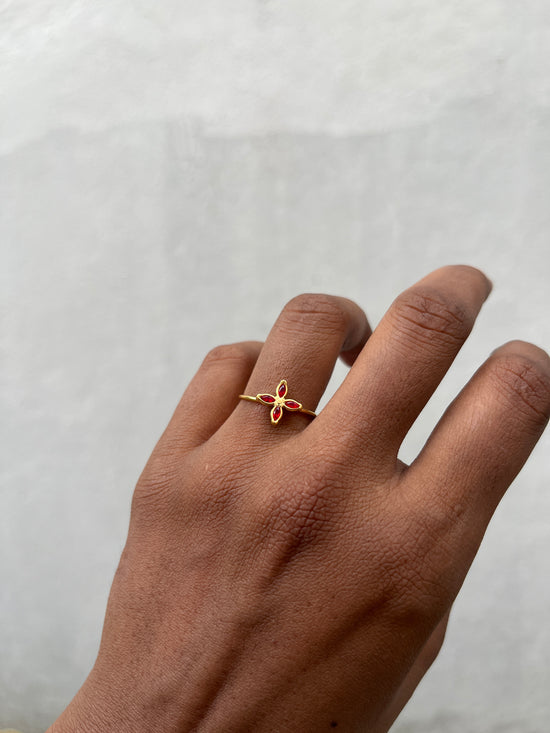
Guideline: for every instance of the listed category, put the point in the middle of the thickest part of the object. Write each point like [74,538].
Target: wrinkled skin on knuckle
[302,506]
[217,480]
[523,383]
[202,485]
[419,597]
[434,521]
[155,486]
[310,309]
[426,316]
[418,568]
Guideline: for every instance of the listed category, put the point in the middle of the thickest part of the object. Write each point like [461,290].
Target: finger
[301,348]
[421,665]
[404,360]
[211,395]
[482,441]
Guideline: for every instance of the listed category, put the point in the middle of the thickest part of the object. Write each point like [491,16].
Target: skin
[299,577]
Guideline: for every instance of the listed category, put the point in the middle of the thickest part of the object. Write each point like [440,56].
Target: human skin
[298,577]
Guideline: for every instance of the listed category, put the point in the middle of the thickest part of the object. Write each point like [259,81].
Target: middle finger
[403,362]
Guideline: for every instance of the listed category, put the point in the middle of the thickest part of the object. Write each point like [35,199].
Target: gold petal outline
[293,409]
[274,421]
[283,381]
[259,397]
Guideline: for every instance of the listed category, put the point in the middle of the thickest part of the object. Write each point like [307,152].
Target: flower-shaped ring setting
[278,402]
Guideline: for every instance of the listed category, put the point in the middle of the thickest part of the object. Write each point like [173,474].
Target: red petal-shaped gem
[276,414]
[292,405]
[267,399]
[282,388]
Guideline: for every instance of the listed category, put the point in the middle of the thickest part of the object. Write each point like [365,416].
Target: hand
[298,577]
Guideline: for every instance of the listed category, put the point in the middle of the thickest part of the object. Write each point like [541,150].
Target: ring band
[277,402]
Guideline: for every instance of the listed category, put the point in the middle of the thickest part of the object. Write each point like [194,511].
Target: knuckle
[305,505]
[204,484]
[525,382]
[430,316]
[418,568]
[155,488]
[419,595]
[324,311]
[434,522]
[224,353]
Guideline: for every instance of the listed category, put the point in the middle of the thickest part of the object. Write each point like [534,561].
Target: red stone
[276,413]
[292,405]
[281,391]
[268,398]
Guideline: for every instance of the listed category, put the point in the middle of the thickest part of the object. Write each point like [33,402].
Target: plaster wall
[170,174]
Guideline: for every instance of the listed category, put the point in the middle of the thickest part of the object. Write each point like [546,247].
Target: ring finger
[301,348]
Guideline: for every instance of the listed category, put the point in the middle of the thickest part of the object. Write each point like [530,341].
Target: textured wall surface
[170,174]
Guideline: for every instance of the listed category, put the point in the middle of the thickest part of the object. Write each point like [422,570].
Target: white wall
[170,174]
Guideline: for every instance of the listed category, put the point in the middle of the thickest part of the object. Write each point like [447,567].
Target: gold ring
[277,402]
